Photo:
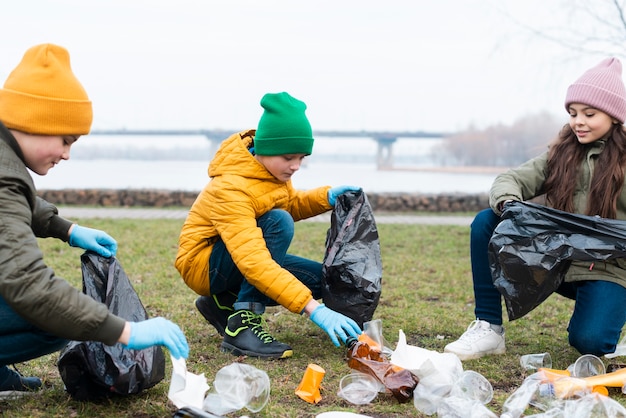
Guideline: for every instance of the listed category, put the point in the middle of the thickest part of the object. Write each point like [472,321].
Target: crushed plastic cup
[473,386]
[534,362]
[588,365]
[358,388]
[309,387]
[236,386]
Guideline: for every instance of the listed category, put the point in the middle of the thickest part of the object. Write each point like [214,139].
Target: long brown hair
[564,163]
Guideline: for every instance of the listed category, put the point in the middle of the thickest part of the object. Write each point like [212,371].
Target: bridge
[384,139]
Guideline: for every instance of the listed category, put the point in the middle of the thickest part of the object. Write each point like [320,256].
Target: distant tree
[503,145]
[583,27]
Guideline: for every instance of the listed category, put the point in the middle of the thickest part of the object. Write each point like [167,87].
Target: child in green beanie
[233,244]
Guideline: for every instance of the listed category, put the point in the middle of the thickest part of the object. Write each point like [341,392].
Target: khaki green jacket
[29,286]
[526,182]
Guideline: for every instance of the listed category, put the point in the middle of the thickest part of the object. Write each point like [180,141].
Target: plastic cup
[236,386]
[358,388]
[533,362]
[588,365]
[473,386]
[309,387]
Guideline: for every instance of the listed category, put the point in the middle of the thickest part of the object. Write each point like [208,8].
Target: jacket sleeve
[233,214]
[522,183]
[308,203]
[33,290]
[47,223]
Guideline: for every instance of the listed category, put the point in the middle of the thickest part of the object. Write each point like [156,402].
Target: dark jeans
[599,314]
[20,340]
[278,229]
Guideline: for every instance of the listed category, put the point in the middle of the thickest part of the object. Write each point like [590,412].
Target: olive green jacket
[527,182]
[27,284]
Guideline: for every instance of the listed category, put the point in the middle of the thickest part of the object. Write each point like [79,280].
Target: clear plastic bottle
[516,404]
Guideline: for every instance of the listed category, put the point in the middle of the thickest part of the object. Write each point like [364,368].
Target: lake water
[321,167]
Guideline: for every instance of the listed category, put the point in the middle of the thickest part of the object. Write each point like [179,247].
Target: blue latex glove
[336,191]
[158,331]
[335,324]
[93,239]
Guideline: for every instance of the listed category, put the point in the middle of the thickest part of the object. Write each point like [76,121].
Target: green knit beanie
[283,128]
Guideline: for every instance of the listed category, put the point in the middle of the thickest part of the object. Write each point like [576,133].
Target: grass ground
[426,293]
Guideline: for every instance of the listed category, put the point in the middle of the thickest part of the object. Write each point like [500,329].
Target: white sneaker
[478,340]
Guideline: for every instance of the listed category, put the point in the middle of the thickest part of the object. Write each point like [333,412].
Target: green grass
[427,293]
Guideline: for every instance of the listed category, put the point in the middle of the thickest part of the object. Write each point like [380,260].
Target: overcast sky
[358,64]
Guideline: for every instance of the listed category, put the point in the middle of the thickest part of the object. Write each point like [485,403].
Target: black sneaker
[216,309]
[13,384]
[245,336]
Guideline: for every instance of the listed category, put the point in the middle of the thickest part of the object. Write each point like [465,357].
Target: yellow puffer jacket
[240,191]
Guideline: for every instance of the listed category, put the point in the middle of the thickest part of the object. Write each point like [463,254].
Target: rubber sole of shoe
[211,319]
[229,348]
[474,356]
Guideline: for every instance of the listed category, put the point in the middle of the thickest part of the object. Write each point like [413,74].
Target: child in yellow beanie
[233,245]
[44,109]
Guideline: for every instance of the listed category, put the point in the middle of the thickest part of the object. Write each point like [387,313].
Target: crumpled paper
[186,389]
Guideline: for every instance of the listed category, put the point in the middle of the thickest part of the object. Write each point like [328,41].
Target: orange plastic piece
[602,390]
[567,387]
[309,387]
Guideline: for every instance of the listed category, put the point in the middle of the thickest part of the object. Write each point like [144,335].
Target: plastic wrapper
[533,246]
[92,370]
[456,407]
[352,266]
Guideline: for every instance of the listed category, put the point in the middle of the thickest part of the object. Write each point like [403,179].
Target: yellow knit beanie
[42,96]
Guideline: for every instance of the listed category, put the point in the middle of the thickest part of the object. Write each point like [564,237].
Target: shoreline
[451,169]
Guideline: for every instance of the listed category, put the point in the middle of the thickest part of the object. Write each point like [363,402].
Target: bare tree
[583,27]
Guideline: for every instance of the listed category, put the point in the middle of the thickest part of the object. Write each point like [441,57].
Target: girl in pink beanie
[581,172]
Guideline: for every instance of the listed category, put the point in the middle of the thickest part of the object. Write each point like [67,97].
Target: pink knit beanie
[601,87]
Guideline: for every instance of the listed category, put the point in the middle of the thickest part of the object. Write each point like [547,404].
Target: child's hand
[334,192]
[335,324]
[93,239]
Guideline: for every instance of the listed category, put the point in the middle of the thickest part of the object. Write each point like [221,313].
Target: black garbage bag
[352,266]
[533,246]
[94,371]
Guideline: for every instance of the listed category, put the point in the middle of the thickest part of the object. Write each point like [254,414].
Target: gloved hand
[93,239]
[336,191]
[158,331]
[335,324]
[503,205]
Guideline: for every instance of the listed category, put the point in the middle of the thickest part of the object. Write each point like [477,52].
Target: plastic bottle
[400,382]
[519,400]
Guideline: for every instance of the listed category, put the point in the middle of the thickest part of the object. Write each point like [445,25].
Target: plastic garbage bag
[532,248]
[92,370]
[352,266]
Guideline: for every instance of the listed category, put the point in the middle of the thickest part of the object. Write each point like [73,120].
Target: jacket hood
[234,158]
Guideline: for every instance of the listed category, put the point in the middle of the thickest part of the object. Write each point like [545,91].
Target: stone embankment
[390,202]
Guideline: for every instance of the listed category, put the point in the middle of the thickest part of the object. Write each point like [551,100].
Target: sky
[394,65]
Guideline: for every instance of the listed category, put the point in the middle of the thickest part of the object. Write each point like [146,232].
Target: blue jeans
[278,229]
[599,314]
[20,340]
